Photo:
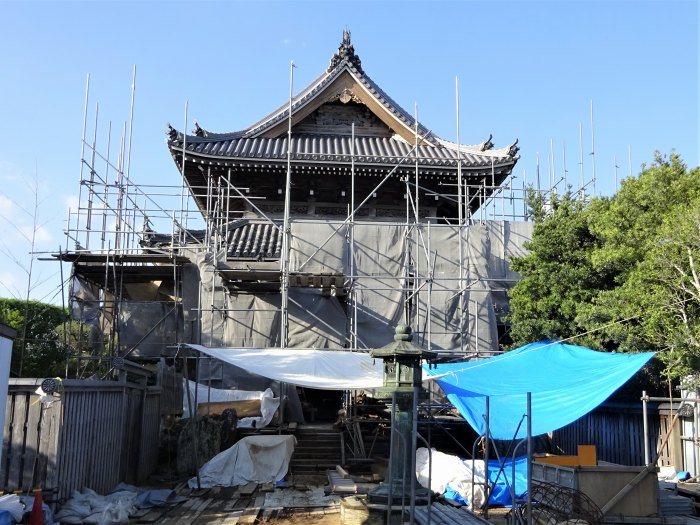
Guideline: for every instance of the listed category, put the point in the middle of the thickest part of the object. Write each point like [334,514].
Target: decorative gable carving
[346,51]
[336,118]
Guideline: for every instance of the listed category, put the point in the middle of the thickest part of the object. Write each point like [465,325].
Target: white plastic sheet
[451,470]
[322,369]
[268,402]
[258,459]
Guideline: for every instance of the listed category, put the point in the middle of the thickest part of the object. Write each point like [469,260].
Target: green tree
[622,272]
[558,274]
[38,345]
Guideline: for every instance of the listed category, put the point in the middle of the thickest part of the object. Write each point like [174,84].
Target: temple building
[323,225]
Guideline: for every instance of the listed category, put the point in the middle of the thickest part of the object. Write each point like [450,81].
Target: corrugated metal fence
[98,434]
[617,431]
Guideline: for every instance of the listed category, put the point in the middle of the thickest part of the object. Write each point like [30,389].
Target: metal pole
[184,202]
[645,400]
[580,150]
[460,222]
[552,174]
[105,193]
[592,148]
[120,192]
[88,220]
[392,432]
[82,159]
[417,185]
[353,332]
[487,436]
[284,278]
[563,154]
[414,443]
[529,459]
[695,437]
[128,158]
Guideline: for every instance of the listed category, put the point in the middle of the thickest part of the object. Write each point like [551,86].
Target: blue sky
[526,70]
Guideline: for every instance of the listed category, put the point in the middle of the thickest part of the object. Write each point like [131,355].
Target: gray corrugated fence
[617,431]
[98,434]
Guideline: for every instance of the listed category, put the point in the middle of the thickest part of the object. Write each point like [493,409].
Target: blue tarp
[566,382]
[502,479]
[501,482]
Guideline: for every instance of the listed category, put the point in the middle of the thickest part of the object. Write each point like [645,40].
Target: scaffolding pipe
[82,155]
[645,400]
[284,332]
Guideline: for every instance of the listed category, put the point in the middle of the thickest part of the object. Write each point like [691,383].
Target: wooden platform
[228,506]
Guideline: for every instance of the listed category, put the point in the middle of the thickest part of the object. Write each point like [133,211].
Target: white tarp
[258,459]
[322,369]
[204,394]
[450,470]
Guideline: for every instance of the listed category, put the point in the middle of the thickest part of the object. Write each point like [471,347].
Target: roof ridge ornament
[487,144]
[346,52]
[173,134]
[199,130]
[513,148]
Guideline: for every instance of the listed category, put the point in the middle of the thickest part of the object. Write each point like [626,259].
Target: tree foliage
[38,350]
[618,273]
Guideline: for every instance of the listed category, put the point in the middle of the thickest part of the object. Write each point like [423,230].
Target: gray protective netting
[390,263]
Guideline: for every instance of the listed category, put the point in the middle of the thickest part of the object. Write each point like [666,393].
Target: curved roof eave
[368,160]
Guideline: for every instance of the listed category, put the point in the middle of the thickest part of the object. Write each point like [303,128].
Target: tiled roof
[336,149]
[254,240]
[249,143]
[247,239]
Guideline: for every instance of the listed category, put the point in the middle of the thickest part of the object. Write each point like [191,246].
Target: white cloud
[7,206]
[72,202]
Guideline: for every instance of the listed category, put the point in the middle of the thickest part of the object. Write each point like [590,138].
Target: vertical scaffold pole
[529,458]
[128,157]
[353,291]
[592,149]
[88,220]
[82,162]
[284,278]
[460,223]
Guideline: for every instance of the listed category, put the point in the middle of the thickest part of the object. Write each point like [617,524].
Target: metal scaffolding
[114,230]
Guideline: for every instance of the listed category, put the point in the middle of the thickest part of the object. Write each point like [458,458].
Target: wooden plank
[182,510]
[193,511]
[244,408]
[155,514]
[249,516]
[18,435]
[91,448]
[232,518]
[52,437]
[213,514]
[80,442]
[231,504]
[271,513]
[248,489]
[6,441]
